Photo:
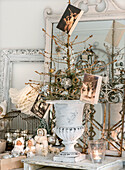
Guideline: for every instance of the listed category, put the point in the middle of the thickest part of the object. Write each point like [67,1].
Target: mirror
[107,28]
[105,20]
[107,44]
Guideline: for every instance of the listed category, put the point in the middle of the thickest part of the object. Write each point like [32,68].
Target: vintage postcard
[119,31]
[91,88]
[70,19]
[40,107]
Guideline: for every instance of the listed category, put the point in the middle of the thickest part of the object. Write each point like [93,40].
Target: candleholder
[97,150]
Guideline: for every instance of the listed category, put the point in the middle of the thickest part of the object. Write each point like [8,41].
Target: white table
[110,163]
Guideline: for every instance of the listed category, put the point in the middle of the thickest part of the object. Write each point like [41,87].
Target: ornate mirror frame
[8,58]
[97,10]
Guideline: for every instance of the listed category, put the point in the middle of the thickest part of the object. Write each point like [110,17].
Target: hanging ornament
[75,80]
[51,70]
[66,83]
[58,49]
[65,58]
[58,79]
[73,60]
[64,93]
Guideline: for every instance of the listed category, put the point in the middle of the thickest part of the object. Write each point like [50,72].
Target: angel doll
[30,149]
[18,147]
[41,142]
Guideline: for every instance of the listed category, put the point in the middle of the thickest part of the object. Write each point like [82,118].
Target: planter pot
[69,128]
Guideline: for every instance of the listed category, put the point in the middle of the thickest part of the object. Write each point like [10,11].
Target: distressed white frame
[8,57]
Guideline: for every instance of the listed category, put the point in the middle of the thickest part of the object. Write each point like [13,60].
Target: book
[40,108]
[91,88]
[70,19]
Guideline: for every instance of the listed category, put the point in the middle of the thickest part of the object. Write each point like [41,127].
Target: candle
[97,150]
[97,156]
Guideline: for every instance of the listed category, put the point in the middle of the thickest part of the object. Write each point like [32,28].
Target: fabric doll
[18,147]
[30,149]
[41,142]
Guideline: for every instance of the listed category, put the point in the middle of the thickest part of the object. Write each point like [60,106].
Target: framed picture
[40,107]
[18,66]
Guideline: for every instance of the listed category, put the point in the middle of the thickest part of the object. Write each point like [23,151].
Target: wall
[21,22]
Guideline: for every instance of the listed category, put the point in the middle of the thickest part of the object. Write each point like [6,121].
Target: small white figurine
[30,149]
[18,147]
[53,149]
[3,108]
[41,142]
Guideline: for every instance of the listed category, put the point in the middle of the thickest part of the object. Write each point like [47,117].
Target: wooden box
[11,163]
[2,154]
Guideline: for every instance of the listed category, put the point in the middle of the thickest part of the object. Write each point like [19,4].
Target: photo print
[40,107]
[70,19]
[91,88]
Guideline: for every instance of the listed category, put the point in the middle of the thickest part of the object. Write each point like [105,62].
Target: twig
[84,40]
